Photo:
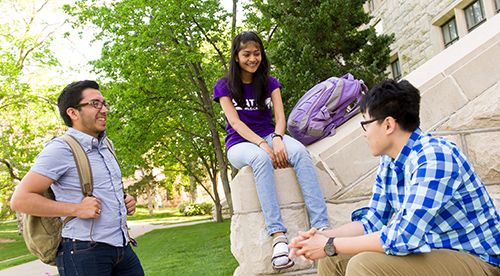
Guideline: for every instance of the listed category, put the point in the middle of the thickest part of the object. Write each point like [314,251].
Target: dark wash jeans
[89,259]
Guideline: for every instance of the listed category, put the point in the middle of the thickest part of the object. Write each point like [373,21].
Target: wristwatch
[330,248]
[274,134]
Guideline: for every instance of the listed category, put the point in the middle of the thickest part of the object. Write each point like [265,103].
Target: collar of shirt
[406,150]
[87,141]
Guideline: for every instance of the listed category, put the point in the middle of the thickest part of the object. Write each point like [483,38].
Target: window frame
[469,13]
[396,69]
[446,30]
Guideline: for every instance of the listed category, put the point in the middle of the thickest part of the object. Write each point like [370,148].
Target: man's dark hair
[400,100]
[71,96]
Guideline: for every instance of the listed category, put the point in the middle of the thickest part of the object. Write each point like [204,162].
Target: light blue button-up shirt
[56,161]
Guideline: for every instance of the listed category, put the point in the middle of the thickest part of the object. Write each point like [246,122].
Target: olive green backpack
[42,235]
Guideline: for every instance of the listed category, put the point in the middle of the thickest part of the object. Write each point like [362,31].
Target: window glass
[450,33]
[497,5]
[396,70]
[371,4]
[474,15]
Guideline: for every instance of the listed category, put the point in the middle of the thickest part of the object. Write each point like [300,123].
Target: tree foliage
[309,41]
[28,112]
[160,60]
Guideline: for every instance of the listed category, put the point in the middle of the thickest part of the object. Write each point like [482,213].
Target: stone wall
[460,90]
[416,26]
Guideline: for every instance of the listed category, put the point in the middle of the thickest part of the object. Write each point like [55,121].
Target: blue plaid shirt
[435,200]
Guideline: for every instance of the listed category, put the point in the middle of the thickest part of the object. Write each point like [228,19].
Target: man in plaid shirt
[430,214]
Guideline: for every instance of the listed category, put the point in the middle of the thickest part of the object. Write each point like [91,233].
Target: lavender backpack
[325,107]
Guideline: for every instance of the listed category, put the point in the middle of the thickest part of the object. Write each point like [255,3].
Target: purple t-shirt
[258,121]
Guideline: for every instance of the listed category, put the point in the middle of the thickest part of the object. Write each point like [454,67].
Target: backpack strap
[82,164]
[110,147]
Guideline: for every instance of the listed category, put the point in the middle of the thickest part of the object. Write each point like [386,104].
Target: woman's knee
[296,150]
[260,158]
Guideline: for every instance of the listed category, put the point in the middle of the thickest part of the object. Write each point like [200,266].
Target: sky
[74,52]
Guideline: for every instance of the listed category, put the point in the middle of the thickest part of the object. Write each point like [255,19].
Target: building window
[396,70]
[371,5]
[474,15]
[450,32]
[497,5]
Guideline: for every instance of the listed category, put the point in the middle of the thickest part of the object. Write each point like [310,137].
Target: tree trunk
[233,27]
[20,224]
[192,190]
[150,199]
[206,99]
[218,206]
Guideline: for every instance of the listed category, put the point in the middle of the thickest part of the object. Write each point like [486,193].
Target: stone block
[252,247]
[480,73]
[475,49]
[482,112]
[360,189]
[351,161]
[440,101]
[340,214]
[344,135]
[485,157]
[329,182]
[244,191]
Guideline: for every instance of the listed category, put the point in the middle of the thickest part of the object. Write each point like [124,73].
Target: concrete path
[37,268]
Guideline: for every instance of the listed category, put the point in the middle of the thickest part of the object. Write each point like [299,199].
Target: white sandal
[281,239]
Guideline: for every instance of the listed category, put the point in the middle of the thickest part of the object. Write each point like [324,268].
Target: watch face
[329,249]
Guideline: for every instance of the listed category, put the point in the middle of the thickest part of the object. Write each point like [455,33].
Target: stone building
[448,49]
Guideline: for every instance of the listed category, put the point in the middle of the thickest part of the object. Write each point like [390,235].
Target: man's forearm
[37,205]
[351,229]
[355,245]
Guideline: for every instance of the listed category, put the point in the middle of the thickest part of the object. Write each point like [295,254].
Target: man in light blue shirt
[96,242]
[429,214]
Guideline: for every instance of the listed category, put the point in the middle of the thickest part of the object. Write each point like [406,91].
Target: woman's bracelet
[263,141]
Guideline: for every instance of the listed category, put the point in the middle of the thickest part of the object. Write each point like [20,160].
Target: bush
[182,206]
[193,209]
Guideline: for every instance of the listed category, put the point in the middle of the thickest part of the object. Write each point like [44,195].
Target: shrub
[193,209]
[182,206]
[206,207]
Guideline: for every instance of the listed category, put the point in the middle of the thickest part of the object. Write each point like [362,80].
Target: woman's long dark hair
[260,77]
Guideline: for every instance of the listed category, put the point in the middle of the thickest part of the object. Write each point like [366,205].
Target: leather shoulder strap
[110,147]
[82,164]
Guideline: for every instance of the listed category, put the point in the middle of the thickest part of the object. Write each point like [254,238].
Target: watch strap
[274,134]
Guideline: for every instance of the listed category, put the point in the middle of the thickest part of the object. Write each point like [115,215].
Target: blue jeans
[250,154]
[88,259]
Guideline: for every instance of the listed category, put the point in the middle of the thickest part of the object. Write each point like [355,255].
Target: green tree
[160,60]
[309,41]
[28,112]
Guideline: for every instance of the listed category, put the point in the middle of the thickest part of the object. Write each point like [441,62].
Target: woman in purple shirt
[248,95]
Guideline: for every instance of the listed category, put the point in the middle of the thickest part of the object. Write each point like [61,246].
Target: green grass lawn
[12,246]
[202,249]
[164,216]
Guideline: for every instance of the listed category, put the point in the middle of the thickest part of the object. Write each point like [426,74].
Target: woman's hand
[267,148]
[280,153]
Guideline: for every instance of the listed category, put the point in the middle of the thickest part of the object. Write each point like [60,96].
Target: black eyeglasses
[95,103]
[363,123]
